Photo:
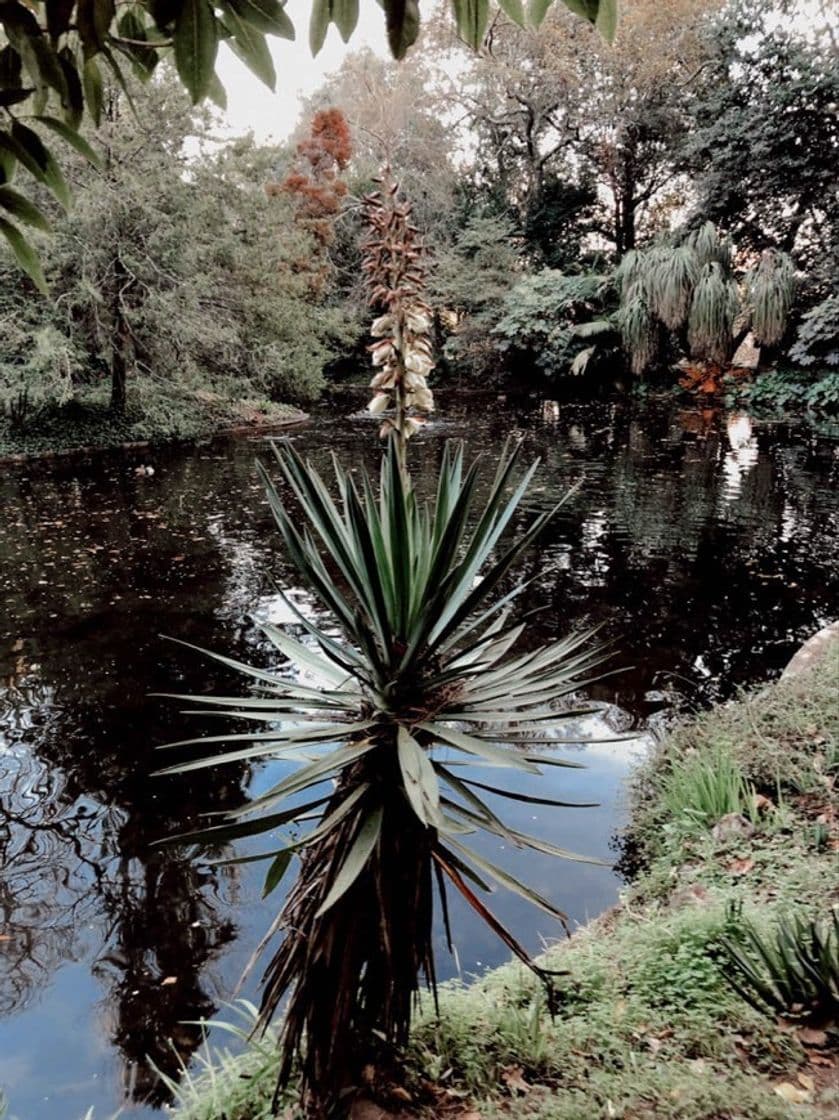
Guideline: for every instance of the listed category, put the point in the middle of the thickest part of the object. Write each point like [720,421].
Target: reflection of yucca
[423,682]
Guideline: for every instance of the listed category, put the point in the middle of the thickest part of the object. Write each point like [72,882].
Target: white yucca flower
[424,399]
[418,362]
[417,322]
[382,354]
[378,404]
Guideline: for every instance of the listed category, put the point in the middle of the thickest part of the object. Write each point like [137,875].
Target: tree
[469,284]
[181,275]
[764,140]
[560,107]
[55,57]
[317,189]
[689,292]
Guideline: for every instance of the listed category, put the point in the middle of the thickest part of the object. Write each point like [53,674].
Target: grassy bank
[155,414]
[737,809]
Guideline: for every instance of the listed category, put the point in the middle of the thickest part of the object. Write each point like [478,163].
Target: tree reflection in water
[78,875]
[705,543]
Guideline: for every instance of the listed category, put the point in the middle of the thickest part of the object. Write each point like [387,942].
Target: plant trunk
[121,343]
[354,972]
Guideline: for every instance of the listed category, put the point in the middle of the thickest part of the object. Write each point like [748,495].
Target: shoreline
[92,450]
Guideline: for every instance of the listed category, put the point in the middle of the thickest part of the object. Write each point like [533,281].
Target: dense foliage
[57,57]
[166,284]
[562,187]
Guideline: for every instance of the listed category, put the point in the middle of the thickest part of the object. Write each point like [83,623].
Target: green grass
[647,1024]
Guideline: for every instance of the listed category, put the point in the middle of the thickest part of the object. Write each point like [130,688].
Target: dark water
[704,543]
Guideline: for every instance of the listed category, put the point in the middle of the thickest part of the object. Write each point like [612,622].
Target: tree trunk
[120,345]
[352,973]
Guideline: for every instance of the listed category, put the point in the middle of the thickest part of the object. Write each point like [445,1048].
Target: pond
[704,543]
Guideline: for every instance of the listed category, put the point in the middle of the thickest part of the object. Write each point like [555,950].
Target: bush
[555,319]
[818,336]
[782,389]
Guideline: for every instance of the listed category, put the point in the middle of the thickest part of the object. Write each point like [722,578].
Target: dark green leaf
[94,92]
[251,46]
[419,778]
[73,103]
[402,19]
[471,17]
[73,139]
[356,860]
[319,24]
[164,13]
[515,10]
[217,93]
[268,16]
[94,18]
[41,162]
[10,68]
[345,17]
[23,210]
[10,97]
[59,13]
[196,46]
[26,256]
[538,9]
[276,871]
[144,59]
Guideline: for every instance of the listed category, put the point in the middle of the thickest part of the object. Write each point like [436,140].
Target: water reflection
[705,544]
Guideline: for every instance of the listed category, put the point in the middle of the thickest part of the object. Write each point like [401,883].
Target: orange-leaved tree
[317,188]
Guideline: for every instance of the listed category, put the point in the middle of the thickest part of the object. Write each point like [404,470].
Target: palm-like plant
[424,679]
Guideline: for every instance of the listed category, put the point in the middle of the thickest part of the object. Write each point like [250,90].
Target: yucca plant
[424,680]
[425,677]
[791,969]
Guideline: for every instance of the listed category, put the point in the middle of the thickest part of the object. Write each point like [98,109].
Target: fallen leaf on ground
[821,1060]
[806,1081]
[514,1081]
[791,1093]
[167,980]
[808,1036]
[741,866]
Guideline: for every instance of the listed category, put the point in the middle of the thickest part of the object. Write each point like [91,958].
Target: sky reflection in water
[704,543]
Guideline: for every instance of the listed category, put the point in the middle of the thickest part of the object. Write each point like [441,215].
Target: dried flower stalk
[394,266]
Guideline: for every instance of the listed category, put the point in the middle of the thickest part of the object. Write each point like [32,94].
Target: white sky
[272,116]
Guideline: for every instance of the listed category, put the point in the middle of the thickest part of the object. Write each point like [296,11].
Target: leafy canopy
[55,54]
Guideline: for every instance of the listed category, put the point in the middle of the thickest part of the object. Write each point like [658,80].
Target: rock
[747,355]
[813,651]
[732,826]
